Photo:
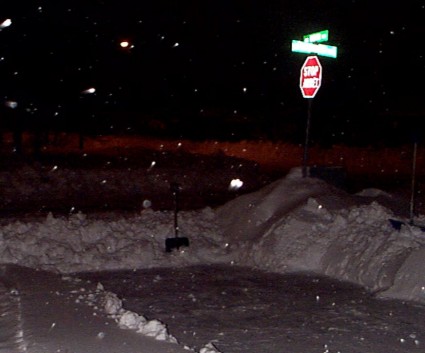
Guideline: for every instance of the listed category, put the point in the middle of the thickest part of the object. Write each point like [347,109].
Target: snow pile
[133,321]
[306,225]
[209,348]
[110,304]
[294,224]
[77,243]
[409,281]
[130,320]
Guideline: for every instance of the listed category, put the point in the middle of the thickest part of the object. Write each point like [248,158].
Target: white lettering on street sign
[317,37]
[311,82]
[312,48]
[311,70]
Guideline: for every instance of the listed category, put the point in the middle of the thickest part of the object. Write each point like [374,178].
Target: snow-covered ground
[292,225]
[243,310]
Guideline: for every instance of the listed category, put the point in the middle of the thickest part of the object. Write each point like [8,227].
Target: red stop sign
[311,77]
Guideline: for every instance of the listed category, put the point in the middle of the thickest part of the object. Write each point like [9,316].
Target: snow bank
[78,243]
[302,224]
[409,281]
[294,224]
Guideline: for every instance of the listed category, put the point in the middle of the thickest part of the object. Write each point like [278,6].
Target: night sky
[219,68]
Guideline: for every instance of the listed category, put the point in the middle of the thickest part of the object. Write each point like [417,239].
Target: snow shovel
[176,242]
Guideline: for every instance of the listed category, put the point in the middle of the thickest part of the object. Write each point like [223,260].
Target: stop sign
[311,77]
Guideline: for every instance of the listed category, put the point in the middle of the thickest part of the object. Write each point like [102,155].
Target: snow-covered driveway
[242,310]
[41,312]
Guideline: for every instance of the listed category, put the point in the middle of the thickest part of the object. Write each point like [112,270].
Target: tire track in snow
[12,337]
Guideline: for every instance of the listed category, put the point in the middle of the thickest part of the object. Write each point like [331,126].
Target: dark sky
[199,64]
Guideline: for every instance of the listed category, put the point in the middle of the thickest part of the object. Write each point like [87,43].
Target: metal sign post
[413,183]
[311,75]
[307,133]
[310,81]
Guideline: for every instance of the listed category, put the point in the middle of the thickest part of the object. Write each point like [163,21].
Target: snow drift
[303,224]
[294,224]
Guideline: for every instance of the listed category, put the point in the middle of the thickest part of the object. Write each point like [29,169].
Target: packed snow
[293,225]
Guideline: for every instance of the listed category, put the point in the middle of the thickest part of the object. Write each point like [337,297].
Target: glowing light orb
[235,184]
[90,90]
[147,204]
[11,104]
[5,23]
[125,44]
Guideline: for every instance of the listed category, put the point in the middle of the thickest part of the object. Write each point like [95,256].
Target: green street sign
[317,37]
[311,48]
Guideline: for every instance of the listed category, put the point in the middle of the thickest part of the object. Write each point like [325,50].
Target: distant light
[90,90]
[11,104]
[244,89]
[125,44]
[5,23]
[176,45]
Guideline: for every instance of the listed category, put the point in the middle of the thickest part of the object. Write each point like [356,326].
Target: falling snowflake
[90,90]
[235,184]
[5,23]
[125,44]
[11,104]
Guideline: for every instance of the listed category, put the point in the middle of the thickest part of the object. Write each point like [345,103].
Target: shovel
[176,242]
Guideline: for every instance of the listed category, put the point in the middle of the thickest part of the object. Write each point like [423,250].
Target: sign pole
[413,186]
[307,137]
[310,81]
[311,75]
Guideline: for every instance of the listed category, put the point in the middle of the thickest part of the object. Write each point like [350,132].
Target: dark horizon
[219,68]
